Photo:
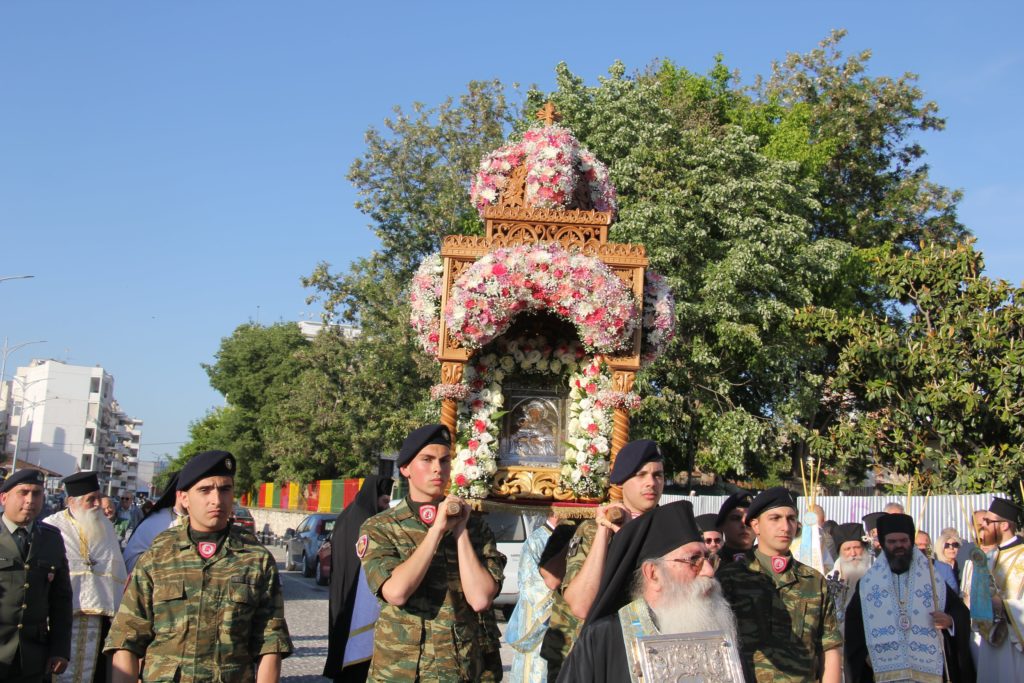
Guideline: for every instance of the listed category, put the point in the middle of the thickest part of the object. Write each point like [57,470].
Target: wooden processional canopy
[512,221]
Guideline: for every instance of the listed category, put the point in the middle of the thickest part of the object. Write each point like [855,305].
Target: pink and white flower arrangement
[453,392]
[659,317]
[585,465]
[585,468]
[555,162]
[425,298]
[533,277]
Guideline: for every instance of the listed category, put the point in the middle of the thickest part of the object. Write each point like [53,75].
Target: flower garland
[591,403]
[555,163]
[578,288]
[659,317]
[425,297]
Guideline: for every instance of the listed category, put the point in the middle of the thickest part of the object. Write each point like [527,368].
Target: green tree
[413,182]
[936,389]
[750,200]
[255,369]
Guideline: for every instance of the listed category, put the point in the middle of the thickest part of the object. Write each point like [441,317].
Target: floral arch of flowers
[580,289]
[483,303]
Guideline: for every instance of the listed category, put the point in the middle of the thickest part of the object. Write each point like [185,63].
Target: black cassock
[959,665]
[599,654]
[345,568]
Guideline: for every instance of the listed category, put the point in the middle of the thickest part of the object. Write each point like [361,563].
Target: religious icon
[532,429]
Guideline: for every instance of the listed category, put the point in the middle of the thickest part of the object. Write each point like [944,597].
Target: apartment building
[64,418]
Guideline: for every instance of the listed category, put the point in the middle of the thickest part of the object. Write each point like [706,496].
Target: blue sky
[169,170]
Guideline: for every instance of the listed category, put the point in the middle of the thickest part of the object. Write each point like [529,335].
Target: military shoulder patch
[361,545]
[428,513]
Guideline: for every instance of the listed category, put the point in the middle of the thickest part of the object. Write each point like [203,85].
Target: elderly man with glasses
[660,562]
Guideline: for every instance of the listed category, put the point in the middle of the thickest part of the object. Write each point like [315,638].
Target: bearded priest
[904,623]
[98,574]
[660,562]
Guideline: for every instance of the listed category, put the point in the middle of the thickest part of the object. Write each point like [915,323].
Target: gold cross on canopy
[548,114]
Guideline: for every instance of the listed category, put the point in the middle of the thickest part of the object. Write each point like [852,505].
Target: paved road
[305,609]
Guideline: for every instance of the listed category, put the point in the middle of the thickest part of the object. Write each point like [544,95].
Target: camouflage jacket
[202,620]
[563,626]
[786,621]
[435,635]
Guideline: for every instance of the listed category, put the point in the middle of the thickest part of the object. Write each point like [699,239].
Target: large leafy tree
[413,183]
[255,370]
[752,201]
[936,390]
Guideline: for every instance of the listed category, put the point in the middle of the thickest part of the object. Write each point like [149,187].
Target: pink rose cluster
[534,277]
[425,297]
[555,162]
[659,316]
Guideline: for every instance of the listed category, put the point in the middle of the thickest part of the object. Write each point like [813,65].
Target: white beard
[96,528]
[694,607]
[852,570]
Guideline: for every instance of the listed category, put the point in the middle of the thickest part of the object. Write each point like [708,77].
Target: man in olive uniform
[434,573]
[787,621]
[35,588]
[639,469]
[204,602]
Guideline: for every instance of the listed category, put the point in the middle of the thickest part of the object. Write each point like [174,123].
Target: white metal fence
[940,512]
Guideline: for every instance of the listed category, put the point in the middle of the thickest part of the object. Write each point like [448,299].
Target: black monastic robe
[345,572]
[599,655]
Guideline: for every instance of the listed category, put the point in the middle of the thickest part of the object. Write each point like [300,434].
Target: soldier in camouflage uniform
[639,469]
[787,623]
[434,574]
[204,602]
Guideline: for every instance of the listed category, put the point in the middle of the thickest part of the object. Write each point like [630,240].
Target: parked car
[510,531]
[244,519]
[303,542]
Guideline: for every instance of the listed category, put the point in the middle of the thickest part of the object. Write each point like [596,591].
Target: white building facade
[64,418]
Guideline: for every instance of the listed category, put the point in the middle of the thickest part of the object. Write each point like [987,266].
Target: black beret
[775,497]
[895,523]
[708,522]
[871,520]
[80,483]
[632,457]
[203,465]
[419,439]
[844,533]
[26,476]
[1007,509]
[740,499]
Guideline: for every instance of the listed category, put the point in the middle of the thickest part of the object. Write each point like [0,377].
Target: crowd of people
[191,597]
[890,605]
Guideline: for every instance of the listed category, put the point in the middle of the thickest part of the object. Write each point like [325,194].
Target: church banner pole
[935,604]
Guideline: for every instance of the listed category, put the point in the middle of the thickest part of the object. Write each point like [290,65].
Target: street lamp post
[4,278]
[8,350]
[5,352]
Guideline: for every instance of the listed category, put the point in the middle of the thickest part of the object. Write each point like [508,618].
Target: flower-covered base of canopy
[591,402]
